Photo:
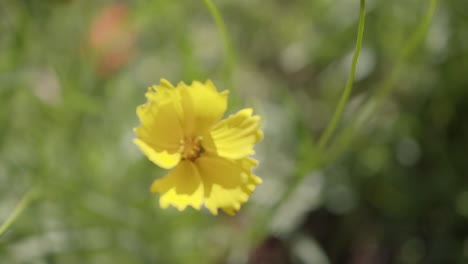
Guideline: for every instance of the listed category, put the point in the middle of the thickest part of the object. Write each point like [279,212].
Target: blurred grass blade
[25,201]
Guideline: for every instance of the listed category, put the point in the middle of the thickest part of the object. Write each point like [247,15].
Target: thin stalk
[261,226]
[373,106]
[227,47]
[349,84]
[25,201]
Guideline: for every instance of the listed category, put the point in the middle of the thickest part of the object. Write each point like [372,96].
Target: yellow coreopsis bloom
[181,129]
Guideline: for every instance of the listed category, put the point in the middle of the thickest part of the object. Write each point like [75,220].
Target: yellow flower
[181,129]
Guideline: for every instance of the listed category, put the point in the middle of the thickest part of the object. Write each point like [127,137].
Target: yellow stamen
[191,148]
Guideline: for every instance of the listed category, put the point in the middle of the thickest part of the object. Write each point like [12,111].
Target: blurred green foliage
[72,73]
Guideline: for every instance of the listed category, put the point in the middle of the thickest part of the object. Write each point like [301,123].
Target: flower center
[191,148]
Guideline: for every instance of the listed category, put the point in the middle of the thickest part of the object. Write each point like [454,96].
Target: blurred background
[392,190]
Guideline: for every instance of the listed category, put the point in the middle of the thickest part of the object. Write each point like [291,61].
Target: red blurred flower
[111,39]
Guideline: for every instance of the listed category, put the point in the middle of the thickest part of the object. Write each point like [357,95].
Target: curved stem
[260,227]
[228,51]
[370,109]
[349,84]
[25,201]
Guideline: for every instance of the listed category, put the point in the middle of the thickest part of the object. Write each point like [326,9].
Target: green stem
[260,227]
[349,84]
[372,107]
[25,201]
[228,50]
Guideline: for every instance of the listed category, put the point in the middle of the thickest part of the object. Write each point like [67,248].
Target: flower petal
[234,137]
[166,93]
[203,106]
[250,185]
[162,159]
[180,188]
[226,183]
[252,180]
[160,122]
